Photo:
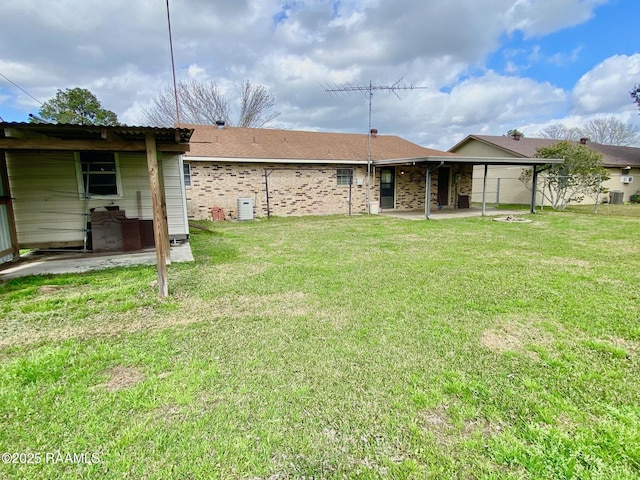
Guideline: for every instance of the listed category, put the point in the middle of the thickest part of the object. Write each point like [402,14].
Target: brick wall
[303,189]
[293,189]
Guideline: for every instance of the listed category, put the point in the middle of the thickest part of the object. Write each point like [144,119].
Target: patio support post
[160,226]
[484,190]
[427,195]
[534,188]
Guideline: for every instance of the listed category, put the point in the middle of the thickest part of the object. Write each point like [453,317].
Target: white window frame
[344,175]
[80,179]
[186,175]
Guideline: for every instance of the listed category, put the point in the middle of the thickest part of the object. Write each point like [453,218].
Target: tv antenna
[349,89]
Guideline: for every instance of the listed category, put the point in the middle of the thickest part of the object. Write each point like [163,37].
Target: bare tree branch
[611,131]
[607,131]
[203,103]
[256,106]
[559,132]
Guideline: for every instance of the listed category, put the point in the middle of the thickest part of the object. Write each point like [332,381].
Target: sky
[483,66]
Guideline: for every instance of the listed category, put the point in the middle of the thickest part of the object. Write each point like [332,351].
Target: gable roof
[238,143]
[614,156]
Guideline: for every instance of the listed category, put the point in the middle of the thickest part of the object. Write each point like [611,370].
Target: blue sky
[489,65]
[562,57]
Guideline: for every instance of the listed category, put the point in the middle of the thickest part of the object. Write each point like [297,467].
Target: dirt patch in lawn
[514,335]
[445,432]
[121,377]
[49,289]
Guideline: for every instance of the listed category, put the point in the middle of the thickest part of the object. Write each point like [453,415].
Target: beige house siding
[628,189]
[48,207]
[504,186]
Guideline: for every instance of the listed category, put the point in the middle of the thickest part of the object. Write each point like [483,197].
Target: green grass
[336,347]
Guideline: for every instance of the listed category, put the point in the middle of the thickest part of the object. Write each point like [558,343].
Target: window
[345,176]
[98,173]
[187,174]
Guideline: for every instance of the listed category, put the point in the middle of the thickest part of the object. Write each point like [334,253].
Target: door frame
[393,180]
[449,170]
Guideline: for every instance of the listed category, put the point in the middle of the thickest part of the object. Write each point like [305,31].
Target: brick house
[285,172]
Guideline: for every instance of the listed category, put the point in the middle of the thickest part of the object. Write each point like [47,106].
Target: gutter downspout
[427,197]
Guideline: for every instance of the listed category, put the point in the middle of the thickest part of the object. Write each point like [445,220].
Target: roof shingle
[614,156]
[263,143]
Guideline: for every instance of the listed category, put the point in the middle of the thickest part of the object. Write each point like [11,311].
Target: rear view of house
[285,172]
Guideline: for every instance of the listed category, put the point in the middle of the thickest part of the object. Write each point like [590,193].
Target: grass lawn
[336,347]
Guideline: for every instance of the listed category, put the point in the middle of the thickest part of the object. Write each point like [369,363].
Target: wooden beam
[5,199]
[107,134]
[86,145]
[11,132]
[160,227]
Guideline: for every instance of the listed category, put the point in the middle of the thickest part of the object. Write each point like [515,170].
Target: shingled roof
[614,156]
[210,142]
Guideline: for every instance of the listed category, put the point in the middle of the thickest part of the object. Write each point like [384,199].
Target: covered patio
[434,195]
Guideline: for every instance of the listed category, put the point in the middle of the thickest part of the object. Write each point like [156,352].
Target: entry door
[387,188]
[443,185]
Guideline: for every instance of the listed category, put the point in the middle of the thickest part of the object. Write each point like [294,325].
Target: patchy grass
[610,210]
[335,347]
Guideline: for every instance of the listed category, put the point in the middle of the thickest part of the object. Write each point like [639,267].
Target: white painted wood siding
[49,210]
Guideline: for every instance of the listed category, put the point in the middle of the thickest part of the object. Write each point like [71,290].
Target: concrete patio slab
[451,213]
[50,262]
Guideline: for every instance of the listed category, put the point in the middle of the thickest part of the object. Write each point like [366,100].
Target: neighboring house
[504,186]
[80,187]
[285,172]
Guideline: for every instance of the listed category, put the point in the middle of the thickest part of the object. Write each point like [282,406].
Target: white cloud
[606,87]
[539,17]
[119,50]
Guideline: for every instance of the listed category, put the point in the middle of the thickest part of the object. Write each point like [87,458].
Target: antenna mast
[369,89]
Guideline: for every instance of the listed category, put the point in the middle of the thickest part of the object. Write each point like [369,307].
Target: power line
[173,67]
[20,88]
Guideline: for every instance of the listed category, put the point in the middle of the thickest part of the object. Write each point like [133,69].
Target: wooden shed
[57,179]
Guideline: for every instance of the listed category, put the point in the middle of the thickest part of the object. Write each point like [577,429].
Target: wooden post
[160,228]
[5,199]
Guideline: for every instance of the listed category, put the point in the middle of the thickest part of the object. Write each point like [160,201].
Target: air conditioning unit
[626,179]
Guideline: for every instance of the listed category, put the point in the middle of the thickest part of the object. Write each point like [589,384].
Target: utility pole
[368,89]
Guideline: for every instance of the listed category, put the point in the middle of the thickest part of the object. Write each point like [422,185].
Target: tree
[581,173]
[635,94]
[76,106]
[515,133]
[559,132]
[607,131]
[611,131]
[203,103]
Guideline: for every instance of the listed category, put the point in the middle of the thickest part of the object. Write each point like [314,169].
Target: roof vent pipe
[584,140]
[374,132]
[220,124]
